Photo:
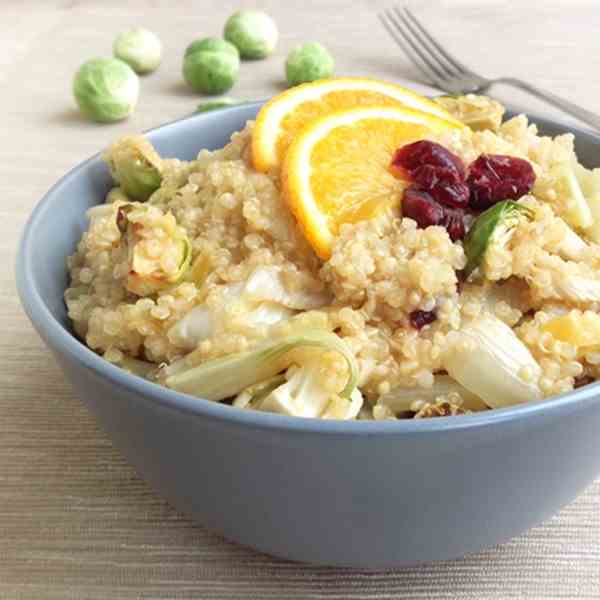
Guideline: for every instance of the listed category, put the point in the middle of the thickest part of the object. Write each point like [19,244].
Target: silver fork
[447,73]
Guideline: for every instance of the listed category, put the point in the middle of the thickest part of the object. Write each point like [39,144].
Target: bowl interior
[59,220]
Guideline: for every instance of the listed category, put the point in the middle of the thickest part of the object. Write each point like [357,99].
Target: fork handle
[569,107]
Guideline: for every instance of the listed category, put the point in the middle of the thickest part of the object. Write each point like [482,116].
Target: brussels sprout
[158,250]
[477,112]
[106,89]
[117,195]
[135,166]
[252,32]
[308,62]
[211,65]
[217,104]
[139,48]
[496,224]
[211,45]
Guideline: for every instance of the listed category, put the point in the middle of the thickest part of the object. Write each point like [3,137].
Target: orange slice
[284,116]
[337,169]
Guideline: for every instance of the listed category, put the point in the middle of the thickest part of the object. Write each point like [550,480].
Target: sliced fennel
[343,408]
[302,394]
[299,394]
[495,225]
[195,326]
[269,313]
[224,377]
[577,211]
[401,399]
[572,247]
[593,232]
[265,299]
[252,395]
[578,289]
[203,322]
[268,284]
[488,359]
[589,181]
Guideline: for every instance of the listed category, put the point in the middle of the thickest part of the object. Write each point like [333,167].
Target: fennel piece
[228,376]
[487,358]
[404,399]
[251,396]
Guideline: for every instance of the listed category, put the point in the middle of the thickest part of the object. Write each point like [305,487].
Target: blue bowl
[360,494]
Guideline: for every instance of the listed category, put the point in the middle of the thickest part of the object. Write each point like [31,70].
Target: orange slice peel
[282,118]
[336,170]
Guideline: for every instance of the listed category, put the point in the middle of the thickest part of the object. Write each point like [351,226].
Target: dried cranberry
[429,176]
[455,195]
[495,177]
[412,156]
[443,184]
[421,207]
[454,224]
[420,318]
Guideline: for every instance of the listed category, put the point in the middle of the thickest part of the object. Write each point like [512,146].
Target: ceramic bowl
[360,494]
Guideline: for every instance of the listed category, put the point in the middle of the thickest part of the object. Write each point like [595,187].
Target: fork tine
[414,53]
[460,67]
[431,77]
[419,42]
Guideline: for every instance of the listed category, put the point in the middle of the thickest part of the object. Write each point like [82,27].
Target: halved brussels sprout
[497,224]
[135,166]
[155,261]
[477,112]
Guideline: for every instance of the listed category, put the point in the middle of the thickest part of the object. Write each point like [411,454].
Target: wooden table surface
[75,520]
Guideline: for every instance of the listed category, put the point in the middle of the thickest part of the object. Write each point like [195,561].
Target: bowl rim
[58,338]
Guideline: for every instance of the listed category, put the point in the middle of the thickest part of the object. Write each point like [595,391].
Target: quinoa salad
[478,288]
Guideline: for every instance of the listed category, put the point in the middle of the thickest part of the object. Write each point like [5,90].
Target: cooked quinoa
[216,238]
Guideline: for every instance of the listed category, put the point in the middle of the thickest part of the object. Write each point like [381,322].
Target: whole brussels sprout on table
[211,65]
[106,89]
[308,62]
[139,48]
[252,32]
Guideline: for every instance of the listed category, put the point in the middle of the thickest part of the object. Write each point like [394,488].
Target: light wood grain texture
[75,521]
